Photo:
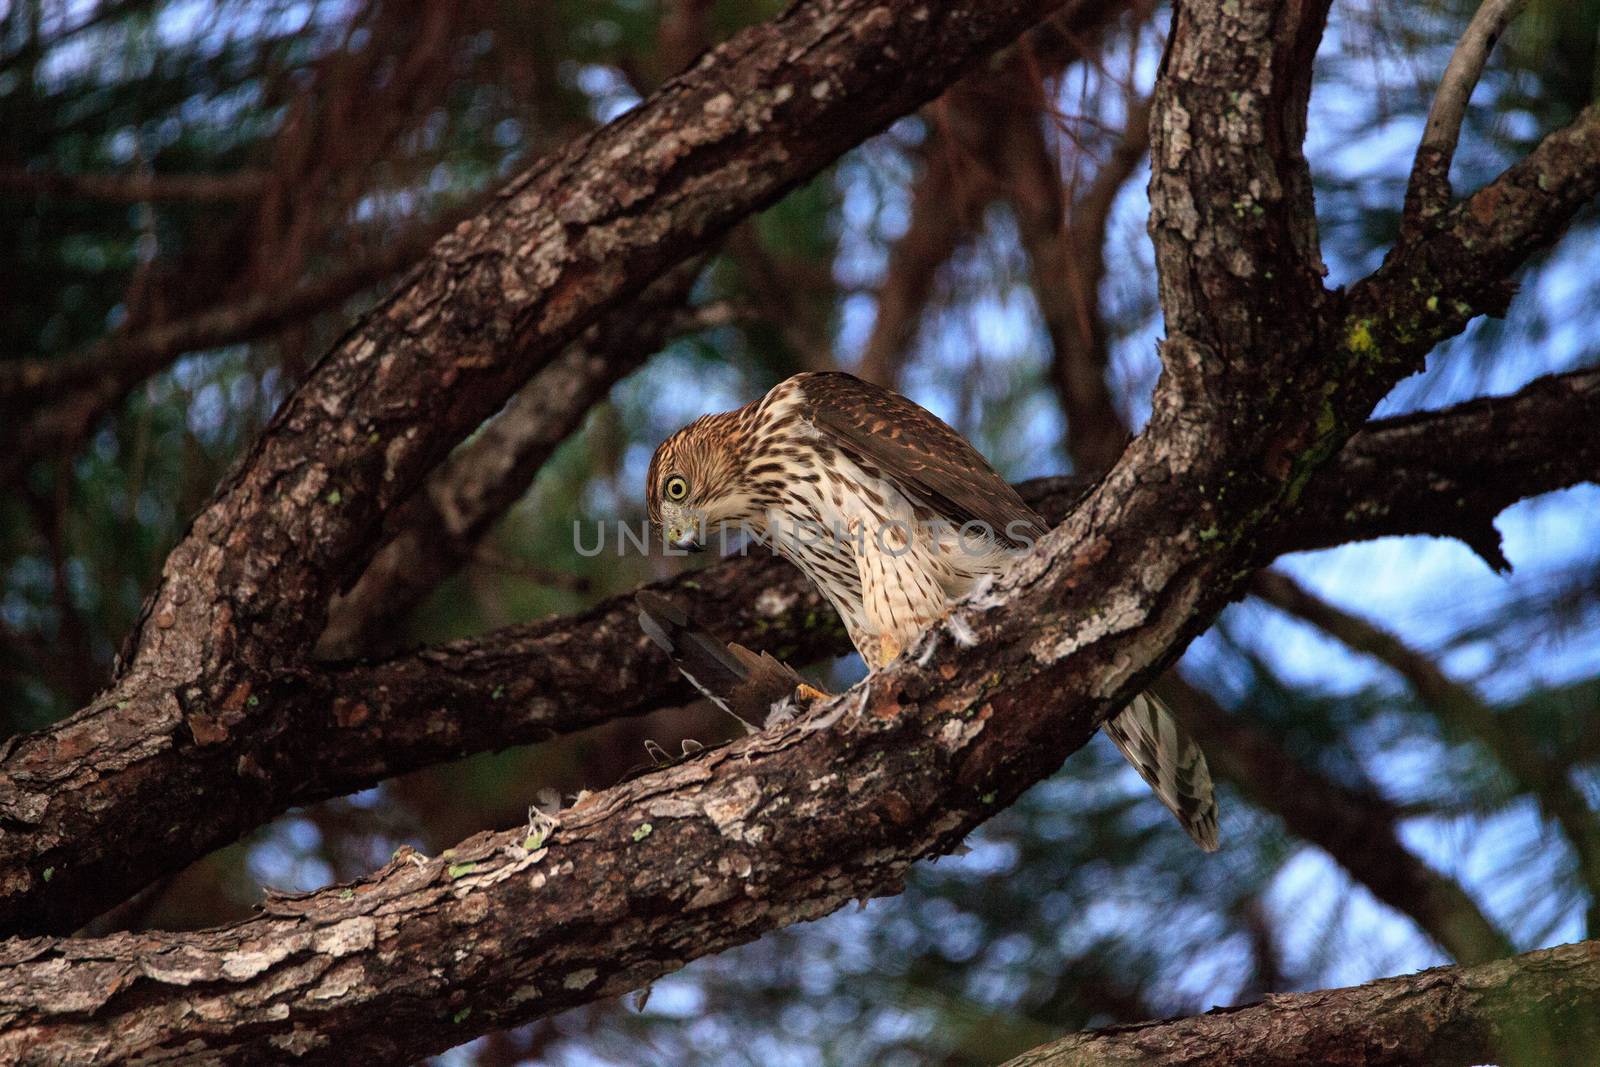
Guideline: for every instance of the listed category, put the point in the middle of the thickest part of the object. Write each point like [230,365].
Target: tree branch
[985,141]
[1459,706]
[53,403]
[133,188]
[1428,190]
[433,534]
[1542,1008]
[1069,265]
[940,221]
[1461,268]
[1429,474]
[791,823]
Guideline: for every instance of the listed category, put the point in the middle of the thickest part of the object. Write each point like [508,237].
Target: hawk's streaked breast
[880,548]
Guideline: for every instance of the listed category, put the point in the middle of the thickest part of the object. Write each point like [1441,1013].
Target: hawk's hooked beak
[684,535]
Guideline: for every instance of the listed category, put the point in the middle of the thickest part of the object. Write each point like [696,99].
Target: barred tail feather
[1171,762]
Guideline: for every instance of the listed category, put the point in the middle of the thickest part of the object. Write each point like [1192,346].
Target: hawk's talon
[811,726]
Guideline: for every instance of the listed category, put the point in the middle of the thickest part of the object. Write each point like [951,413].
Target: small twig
[133,188]
[1428,191]
[714,315]
[489,556]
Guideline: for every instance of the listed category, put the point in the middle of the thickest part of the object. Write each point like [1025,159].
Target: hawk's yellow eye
[677,488]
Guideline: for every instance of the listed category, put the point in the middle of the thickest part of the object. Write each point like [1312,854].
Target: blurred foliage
[1082,904]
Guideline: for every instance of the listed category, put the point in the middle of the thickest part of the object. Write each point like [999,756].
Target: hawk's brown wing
[913,446]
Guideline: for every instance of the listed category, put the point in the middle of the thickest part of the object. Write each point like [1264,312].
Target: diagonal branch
[436,532]
[1542,1008]
[122,360]
[985,142]
[1449,475]
[54,403]
[1428,190]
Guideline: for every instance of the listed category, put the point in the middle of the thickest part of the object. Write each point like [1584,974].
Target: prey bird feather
[895,517]
[743,683]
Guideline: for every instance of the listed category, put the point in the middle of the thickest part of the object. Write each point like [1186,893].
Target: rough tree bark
[1537,1010]
[244,595]
[793,822]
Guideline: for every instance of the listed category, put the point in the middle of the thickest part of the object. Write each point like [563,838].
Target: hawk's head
[697,480]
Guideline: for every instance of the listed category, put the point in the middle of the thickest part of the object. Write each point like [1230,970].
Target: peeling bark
[1541,1009]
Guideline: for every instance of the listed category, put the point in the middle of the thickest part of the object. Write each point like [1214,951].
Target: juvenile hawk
[894,517]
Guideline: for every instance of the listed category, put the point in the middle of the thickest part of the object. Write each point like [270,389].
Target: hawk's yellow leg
[889,648]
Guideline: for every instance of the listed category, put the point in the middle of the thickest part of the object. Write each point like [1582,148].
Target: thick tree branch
[245,593]
[346,727]
[1358,830]
[1461,268]
[1541,1009]
[1448,475]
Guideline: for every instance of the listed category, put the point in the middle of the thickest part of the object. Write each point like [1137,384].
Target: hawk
[895,517]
